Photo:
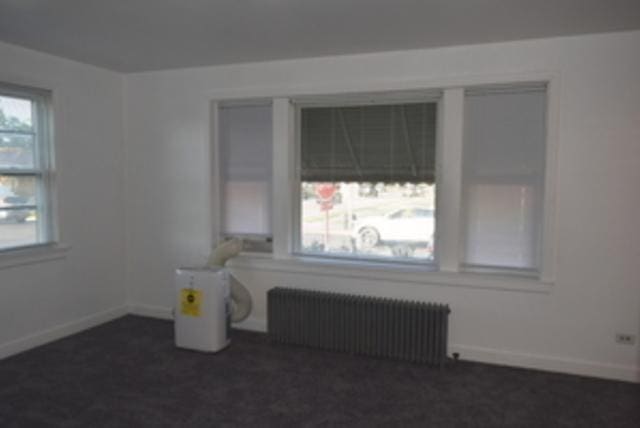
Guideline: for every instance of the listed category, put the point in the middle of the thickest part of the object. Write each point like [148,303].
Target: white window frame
[449,190]
[43,172]
[367,99]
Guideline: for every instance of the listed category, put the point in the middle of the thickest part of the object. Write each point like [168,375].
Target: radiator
[373,326]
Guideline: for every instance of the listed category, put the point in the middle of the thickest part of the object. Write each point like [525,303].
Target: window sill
[32,254]
[391,272]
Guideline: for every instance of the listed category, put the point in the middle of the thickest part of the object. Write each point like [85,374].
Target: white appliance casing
[210,330]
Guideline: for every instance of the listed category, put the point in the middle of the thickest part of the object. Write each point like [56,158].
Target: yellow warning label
[191,300]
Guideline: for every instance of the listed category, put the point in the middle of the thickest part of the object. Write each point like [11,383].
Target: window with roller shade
[245,148]
[368,180]
[503,176]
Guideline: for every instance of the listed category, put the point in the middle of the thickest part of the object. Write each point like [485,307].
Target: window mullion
[284,201]
[449,187]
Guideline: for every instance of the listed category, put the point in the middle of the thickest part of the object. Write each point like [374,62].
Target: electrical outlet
[625,339]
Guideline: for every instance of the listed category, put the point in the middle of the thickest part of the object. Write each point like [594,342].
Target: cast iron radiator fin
[363,325]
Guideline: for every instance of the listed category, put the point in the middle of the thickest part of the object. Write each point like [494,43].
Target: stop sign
[325,191]
[324,195]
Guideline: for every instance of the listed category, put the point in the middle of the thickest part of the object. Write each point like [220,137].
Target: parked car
[403,226]
[14,215]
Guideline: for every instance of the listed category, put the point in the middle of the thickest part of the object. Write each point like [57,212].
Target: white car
[403,226]
[14,215]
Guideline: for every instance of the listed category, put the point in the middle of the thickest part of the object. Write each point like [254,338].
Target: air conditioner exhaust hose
[240,297]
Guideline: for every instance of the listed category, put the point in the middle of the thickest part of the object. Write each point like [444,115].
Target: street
[332,230]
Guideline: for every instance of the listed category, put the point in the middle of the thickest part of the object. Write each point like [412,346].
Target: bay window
[452,180]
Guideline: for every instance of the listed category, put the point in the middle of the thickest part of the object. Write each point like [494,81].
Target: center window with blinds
[368,181]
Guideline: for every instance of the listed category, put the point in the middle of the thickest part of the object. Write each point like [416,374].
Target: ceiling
[140,35]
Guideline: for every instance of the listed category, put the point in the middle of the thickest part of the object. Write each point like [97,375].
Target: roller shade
[503,176]
[373,143]
[245,147]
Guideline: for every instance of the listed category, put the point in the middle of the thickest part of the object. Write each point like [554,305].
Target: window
[25,168]
[368,181]
[455,180]
[503,176]
[245,147]
[370,175]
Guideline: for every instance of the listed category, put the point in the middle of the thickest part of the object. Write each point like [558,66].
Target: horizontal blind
[372,143]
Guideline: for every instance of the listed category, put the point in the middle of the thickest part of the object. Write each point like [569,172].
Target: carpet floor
[127,373]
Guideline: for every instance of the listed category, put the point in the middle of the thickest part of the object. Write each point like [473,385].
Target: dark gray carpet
[127,373]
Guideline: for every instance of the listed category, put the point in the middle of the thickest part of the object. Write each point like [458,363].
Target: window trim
[284,167]
[549,222]
[356,99]
[44,172]
[492,89]
[405,273]
[30,254]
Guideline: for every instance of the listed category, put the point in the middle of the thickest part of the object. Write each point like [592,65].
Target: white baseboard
[547,363]
[165,313]
[58,332]
[467,352]
[252,324]
[151,311]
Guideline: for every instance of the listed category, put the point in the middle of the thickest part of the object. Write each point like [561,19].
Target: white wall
[45,300]
[568,328]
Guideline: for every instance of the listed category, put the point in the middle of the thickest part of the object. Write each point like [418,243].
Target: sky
[15,107]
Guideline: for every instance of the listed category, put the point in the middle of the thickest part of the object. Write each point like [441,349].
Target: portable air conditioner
[202,309]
